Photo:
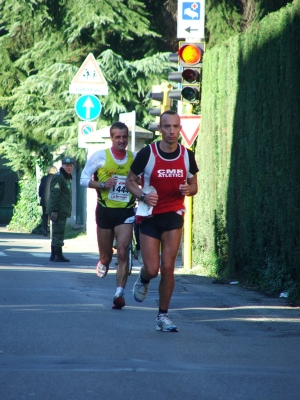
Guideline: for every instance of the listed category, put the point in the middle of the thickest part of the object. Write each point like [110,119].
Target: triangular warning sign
[89,79]
[190,127]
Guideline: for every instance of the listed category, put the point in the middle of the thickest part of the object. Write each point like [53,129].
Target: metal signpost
[190,26]
[88,81]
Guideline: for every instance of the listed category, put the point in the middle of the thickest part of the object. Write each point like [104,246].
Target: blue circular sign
[88,107]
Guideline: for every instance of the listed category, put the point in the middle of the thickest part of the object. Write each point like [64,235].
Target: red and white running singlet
[166,176]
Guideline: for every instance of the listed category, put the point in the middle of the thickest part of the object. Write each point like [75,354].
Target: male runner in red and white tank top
[168,172]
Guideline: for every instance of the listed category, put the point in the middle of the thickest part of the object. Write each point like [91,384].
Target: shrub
[27,211]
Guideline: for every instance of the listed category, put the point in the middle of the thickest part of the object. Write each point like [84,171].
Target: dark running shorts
[156,225]
[108,218]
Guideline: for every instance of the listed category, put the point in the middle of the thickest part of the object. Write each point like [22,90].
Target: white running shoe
[164,324]
[140,289]
[101,270]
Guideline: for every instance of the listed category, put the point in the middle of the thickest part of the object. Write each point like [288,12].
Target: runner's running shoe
[140,289]
[164,324]
[101,270]
[118,302]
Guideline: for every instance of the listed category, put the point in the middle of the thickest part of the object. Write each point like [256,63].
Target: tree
[43,43]
[226,18]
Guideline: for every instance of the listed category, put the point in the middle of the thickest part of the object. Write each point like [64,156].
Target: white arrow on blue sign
[88,107]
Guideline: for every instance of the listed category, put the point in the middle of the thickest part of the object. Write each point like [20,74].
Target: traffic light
[160,103]
[189,59]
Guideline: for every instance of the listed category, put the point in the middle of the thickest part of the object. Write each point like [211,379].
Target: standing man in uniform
[106,172]
[60,206]
[168,174]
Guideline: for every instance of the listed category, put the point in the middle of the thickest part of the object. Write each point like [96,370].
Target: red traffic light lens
[190,53]
[191,75]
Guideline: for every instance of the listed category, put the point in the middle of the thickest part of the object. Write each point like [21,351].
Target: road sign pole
[130,120]
[133,131]
[187,229]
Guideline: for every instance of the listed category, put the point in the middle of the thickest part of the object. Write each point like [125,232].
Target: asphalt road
[60,338]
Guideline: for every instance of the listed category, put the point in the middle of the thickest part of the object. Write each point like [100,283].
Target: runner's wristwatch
[102,185]
[142,198]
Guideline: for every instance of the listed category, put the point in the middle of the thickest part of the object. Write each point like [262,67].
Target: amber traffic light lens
[190,54]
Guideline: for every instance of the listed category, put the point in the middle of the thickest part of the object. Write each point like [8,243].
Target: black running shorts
[157,224]
[108,218]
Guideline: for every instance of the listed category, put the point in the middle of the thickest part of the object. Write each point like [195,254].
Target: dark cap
[68,160]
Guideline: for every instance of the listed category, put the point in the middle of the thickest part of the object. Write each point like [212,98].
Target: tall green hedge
[27,212]
[247,211]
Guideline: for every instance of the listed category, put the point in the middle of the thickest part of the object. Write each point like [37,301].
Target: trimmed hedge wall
[247,211]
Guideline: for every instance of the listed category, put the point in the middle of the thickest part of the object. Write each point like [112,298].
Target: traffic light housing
[189,59]
[160,103]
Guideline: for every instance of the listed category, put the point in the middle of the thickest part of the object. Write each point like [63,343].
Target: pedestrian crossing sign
[89,79]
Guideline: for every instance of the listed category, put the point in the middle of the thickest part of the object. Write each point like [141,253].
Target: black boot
[59,255]
[52,256]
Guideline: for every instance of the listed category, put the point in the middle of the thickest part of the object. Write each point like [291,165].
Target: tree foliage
[43,43]
[226,18]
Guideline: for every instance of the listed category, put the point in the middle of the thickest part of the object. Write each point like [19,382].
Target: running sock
[144,281]
[160,311]
[119,290]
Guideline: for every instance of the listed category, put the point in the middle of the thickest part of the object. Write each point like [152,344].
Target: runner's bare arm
[132,184]
[193,185]
[111,182]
